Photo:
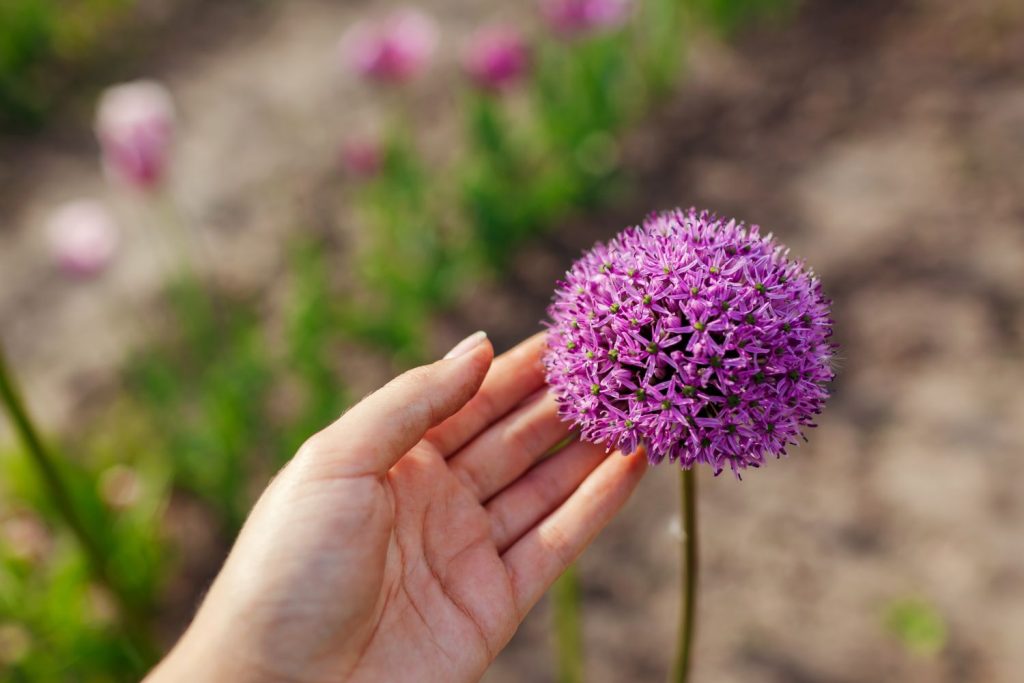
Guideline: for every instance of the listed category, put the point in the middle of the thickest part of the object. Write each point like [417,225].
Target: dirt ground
[884,142]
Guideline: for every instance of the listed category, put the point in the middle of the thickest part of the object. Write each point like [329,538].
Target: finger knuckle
[417,379]
[314,447]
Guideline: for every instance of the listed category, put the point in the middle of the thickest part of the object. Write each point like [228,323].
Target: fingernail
[466,345]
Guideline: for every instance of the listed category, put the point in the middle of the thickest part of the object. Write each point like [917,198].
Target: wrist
[198,658]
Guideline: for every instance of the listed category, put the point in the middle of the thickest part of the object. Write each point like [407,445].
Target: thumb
[380,429]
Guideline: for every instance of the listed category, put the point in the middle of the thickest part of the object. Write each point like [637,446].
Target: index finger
[380,429]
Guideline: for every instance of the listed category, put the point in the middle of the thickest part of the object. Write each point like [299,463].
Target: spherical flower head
[695,336]
[495,57]
[571,17]
[83,237]
[393,50]
[135,128]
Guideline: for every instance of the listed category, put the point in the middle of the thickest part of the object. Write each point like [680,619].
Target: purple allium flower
[695,336]
[392,50]
[83,237]
[495,57]
[135,128]
[579,16]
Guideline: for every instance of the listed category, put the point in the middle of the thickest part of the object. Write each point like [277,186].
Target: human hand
[409,539]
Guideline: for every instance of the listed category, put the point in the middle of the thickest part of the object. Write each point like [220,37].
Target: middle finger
[502,453]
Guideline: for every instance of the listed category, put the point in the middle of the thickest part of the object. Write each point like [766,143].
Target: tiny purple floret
[694,336]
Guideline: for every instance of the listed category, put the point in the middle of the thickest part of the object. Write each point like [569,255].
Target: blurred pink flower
[135,128]
[394,49]
[83,237]
[496,57]
[579,16]
[362,156]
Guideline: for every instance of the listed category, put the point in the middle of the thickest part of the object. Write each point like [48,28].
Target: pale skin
[409,539]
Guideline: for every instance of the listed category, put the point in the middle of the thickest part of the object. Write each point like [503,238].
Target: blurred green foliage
[55,624]
[43,43]
[203,390]
[59,620]
[917,624]
[726,16]
[223,396]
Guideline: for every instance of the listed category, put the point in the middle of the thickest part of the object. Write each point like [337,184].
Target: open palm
[408,540]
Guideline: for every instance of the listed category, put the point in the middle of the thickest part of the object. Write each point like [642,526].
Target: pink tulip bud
[496,57]
[580,16]
[135,128]
[363,156]
[83,237]
[394,49]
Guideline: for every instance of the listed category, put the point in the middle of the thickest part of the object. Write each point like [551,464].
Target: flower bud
[394,49]
[495,57]
[135,128]
[571,17]
[362,157]
[83,237]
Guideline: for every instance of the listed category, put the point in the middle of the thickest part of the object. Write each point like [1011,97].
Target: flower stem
[46,466]
[568,627]
[688,491]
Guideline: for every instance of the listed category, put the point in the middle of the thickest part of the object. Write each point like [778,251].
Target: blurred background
[220,223]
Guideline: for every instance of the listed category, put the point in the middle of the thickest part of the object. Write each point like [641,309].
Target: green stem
[46,466]
[568,627]
[185,253]
[688,608]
